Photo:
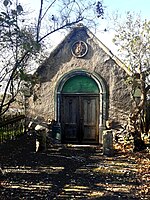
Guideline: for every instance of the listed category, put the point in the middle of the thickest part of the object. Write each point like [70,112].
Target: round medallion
[79,49]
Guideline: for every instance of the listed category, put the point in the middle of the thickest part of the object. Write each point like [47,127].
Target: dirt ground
[72,172]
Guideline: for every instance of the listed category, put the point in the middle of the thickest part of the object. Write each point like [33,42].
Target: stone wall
[61,61]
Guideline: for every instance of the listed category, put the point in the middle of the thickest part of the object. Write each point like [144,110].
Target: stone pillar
[56,131]
[41,138]
[108,143]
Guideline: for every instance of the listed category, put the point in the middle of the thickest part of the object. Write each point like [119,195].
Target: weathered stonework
[98,60]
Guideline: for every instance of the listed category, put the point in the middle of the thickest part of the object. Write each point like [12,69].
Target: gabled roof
[96,40]
[109,52]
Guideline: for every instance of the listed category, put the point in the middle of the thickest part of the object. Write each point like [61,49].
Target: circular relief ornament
[79,49]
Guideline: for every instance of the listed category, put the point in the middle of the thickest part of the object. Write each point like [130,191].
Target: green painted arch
[99,88]
[80,84]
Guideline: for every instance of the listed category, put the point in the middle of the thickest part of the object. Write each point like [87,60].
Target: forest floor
[72,172]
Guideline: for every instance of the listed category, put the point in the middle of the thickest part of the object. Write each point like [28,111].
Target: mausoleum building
[81,86]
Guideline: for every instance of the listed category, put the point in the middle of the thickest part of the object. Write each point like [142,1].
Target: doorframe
[102,96]
[79,99]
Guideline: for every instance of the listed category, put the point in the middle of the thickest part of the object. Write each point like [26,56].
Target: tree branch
[61,27]
[10,78]
[147,88]
[48,9]
[39,21]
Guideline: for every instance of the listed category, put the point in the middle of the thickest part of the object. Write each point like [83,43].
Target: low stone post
[41,138]
[56,131]
[108,143]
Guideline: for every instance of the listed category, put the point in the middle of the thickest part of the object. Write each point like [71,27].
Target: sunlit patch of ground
[74,172]
[29,186]
[26,169]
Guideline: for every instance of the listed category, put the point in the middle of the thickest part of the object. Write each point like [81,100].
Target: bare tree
[133,39]
[22,41]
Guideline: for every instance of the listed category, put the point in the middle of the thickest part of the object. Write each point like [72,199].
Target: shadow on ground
[65,172]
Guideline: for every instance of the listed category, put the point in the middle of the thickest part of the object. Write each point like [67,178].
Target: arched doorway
[79,108]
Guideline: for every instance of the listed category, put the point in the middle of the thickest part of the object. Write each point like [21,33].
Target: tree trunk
[139,144]
[134,127]
[135,118]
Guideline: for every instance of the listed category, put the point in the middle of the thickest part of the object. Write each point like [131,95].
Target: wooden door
[69,118]
[90,114]
[80,118]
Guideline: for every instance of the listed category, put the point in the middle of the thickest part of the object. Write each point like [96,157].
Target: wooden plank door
[90,115]
[79,119]
[69,118]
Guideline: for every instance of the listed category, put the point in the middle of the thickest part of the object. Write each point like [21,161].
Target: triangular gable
[109,53]
[96,40]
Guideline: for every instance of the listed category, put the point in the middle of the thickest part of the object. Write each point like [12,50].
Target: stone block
[108,143]
[40,138]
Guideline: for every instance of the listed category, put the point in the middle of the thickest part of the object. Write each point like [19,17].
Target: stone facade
[98,62]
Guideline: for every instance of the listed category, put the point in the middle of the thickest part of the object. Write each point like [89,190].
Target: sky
[142,6]
[137,6]
[122,6]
